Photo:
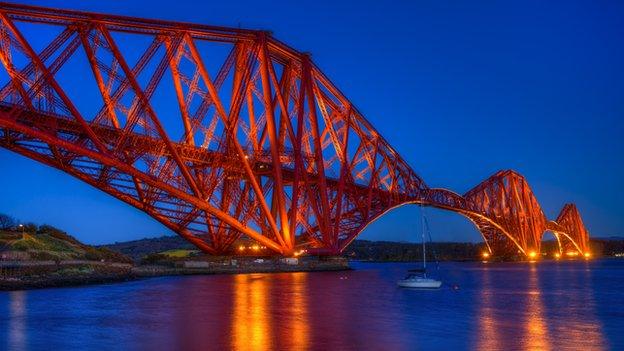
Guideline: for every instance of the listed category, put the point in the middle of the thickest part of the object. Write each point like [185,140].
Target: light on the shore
[532,254]
[485,255]
[255,247]
[241,248]
[587,255]
[572,253]
[557,255]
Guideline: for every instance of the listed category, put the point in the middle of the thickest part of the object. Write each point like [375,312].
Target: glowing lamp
[557,255]
[532,254]
[241,248]
[485,254]
[587,255]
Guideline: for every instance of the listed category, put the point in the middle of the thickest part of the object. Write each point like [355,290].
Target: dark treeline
[608,247]
[403,252]
[448,251]
[376,250]
[9,224]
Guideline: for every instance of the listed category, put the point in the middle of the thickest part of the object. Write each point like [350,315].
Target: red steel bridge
[221,132]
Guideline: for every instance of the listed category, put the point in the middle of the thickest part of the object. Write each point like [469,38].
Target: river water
[497,306]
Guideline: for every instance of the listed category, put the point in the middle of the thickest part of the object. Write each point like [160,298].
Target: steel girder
[260,142]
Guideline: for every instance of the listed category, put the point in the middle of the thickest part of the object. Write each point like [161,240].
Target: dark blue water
[539,306]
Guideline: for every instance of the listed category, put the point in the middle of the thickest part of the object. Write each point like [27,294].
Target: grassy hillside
[49,243]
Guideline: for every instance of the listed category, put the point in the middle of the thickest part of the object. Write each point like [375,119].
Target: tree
[6,222]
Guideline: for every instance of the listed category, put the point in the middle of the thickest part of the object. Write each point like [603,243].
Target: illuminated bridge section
[220,132]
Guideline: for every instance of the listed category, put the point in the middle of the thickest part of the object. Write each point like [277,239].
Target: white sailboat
[417,278]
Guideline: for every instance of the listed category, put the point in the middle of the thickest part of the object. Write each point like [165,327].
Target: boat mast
[422,220]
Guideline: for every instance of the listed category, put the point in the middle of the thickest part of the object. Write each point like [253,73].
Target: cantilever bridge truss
[220,132]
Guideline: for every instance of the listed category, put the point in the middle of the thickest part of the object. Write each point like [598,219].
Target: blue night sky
[460,89]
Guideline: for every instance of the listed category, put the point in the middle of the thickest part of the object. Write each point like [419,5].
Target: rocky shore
[18,275]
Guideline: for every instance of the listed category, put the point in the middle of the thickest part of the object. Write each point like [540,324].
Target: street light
[21,226]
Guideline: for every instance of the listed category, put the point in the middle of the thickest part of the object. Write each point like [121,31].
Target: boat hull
[420,284]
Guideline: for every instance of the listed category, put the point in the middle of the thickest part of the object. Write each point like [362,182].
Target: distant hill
[49,243]
[610,238]
[138,249]
[611,246]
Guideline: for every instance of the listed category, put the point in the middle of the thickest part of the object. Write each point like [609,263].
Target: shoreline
[58,275]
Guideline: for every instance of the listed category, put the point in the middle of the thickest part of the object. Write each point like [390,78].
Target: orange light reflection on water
[251,325]
[493,327]
[543,323]
[489,337]
[257,299]
[536,336]
[300,336]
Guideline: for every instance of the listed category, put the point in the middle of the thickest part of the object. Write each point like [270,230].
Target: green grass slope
[52,244]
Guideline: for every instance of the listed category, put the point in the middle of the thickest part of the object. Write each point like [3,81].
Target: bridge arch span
[566,244]
[473,218]
[504,229]
[482,224]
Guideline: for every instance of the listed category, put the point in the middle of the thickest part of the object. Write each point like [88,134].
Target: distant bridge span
[220,132]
